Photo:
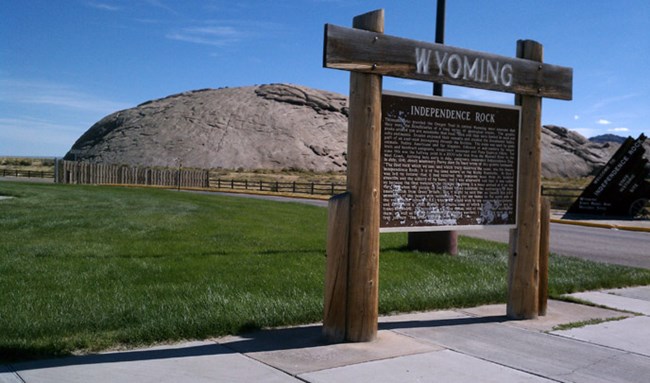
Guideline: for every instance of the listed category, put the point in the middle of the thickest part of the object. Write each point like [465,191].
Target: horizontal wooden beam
[370,52]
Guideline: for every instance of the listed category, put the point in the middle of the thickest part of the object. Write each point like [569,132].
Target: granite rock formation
[277,126]
[269,126]
[567,154]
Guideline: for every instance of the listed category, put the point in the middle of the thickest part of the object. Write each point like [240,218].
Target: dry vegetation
[285,175]
[27,163]
[265,175]
[577,183]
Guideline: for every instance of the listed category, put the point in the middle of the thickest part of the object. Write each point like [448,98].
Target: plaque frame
[452,104]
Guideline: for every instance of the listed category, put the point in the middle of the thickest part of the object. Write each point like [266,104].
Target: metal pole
[440,37]
[436,241]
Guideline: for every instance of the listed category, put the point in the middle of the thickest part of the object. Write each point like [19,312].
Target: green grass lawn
[86,268]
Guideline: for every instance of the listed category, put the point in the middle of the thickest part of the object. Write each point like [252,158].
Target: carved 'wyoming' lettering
[441,62]
[422,57]
[458,66]
[470,71]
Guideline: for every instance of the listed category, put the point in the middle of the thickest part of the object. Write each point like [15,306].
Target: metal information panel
[447,164]
[620,188]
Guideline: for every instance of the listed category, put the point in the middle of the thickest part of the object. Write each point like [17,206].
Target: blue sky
[65,64]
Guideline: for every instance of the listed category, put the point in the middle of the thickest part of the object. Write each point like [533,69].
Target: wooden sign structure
[352,280]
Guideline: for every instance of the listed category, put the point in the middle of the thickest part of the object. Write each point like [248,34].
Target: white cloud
[619,129]
[480,95]
[602,121]
[426,88]
[612,100]
[226,32]
[159,4]
[32,136]
[404,82]
[576,117]
[55,94]
[104,6]
[408,86]
[45,117]
[208,35]
[20,125]
[587,132]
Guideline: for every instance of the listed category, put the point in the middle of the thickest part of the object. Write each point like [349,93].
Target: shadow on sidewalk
[259,341]
[126,356]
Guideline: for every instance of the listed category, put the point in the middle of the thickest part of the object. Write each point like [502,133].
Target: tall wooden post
[523,269]
[364,146]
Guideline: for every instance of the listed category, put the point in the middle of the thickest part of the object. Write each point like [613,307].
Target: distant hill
[277,126]
[608,138]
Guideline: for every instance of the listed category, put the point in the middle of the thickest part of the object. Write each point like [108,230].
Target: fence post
[312,188]
[294,187]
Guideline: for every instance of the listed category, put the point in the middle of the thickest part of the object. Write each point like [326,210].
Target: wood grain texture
[524,255]
[336,274]
[364,145]
[373,52]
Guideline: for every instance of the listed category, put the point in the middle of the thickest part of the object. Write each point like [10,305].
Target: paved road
[621,247]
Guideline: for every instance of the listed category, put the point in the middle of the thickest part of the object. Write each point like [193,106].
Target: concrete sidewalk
[464,345]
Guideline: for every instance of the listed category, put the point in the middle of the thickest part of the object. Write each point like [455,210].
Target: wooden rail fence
[26,173]
[550,191]
[71,172]
[279,187]
[559,197]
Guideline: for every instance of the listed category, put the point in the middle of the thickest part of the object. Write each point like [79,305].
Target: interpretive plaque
[447,164]
[620,189]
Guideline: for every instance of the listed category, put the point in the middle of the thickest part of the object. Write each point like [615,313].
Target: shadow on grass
[302,337]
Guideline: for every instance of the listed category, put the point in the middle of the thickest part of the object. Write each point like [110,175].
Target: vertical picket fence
[72,172]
